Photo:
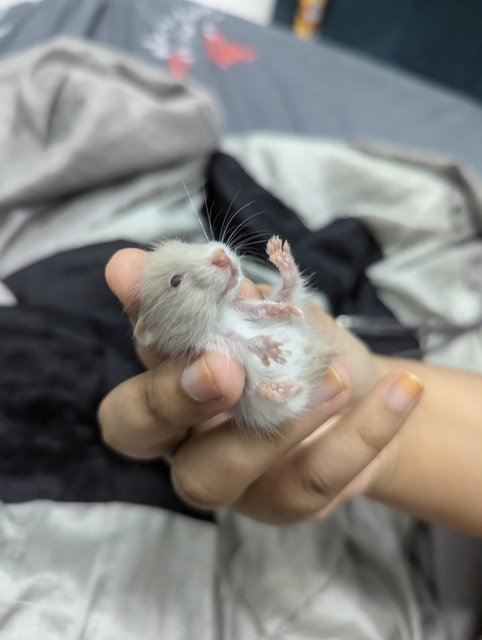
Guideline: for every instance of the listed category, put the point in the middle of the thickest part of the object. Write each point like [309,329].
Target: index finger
[122,273]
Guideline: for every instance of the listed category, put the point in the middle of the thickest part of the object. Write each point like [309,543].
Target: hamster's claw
[275,245]
[279,253]
[279,391]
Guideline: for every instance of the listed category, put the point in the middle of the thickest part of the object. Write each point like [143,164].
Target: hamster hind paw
[279,391]
[267,349]
[279,254]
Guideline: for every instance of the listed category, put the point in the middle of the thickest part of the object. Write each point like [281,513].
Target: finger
[335,460]
[148,416]
[122,274]
[212,468]
[356,487]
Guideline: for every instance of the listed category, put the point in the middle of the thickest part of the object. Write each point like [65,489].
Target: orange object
[308,18]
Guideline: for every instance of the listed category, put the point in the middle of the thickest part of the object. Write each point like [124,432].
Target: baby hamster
[188,304]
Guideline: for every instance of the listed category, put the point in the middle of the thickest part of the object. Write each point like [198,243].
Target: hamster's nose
[220,258]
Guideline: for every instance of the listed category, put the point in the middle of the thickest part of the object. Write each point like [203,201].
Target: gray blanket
[94,146]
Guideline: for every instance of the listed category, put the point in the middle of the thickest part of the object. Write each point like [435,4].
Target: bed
[96,546]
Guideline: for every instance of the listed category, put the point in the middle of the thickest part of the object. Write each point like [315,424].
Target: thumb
[122,274]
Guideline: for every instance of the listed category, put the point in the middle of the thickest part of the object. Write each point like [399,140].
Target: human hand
[346,445]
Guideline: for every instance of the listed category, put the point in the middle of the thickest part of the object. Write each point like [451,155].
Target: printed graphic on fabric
[223,52]
[176,37]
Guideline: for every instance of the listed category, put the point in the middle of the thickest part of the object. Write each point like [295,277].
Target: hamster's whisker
[208,211]
[226,220]
[131,303]
[308,278]
[245,222]
[190,358]
[248,235]
[247,256]
[195,211]
[212,221]
[250,258]
[229,221]
[247,243]
[258,232]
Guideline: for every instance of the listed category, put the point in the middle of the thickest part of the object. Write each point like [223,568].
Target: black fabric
[64,347]
[335,257]
[284,12]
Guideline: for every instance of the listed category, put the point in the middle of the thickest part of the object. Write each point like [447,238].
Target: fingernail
[403,392]
[197,381]
[331,386]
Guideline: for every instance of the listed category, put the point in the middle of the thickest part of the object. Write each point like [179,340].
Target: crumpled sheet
[104,571]
[95,146]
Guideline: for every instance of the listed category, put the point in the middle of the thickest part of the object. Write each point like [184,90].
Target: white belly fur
[297,343]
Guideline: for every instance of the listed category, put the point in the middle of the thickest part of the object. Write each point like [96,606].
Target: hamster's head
[183,290]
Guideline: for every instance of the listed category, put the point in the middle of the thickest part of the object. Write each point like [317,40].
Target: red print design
[179,65]
[225,53]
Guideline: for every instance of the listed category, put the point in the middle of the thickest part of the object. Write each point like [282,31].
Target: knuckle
[370,436]
[235,467]
[292,506]
[193,490]
[288,511]
[156,402]
[207,487]
[272,507]
[317,483]
[125,429]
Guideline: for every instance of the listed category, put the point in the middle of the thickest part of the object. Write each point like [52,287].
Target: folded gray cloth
[85,135]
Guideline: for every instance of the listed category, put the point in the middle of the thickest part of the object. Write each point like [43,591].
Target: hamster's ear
[142,334]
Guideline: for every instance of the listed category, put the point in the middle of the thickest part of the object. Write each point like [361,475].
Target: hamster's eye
[175,281]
